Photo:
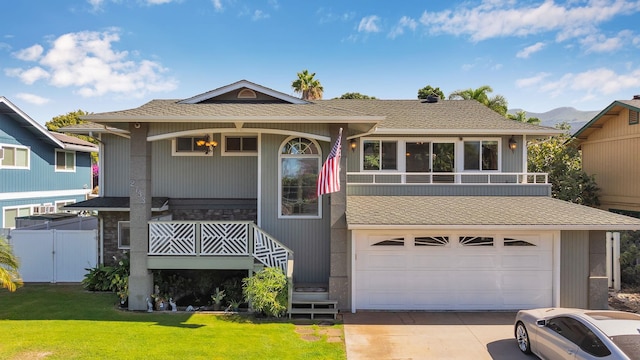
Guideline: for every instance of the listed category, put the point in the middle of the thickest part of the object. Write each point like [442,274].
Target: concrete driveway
[430,335]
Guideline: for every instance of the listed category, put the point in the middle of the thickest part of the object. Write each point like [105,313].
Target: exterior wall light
[512,143]
[353,144]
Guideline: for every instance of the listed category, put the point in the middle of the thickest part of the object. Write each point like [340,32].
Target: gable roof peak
[240,85]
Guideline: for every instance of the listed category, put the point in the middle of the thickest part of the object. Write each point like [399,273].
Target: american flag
[329,177]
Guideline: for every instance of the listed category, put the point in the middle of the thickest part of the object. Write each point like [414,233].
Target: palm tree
[497,103]
[9,276]
[305,84]
[521,116]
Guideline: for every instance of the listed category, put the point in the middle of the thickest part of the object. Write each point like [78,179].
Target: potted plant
[217,299]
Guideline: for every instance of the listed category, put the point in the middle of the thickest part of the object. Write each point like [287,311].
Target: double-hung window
[481,155]
[65,161]
[14,157]
[299,169]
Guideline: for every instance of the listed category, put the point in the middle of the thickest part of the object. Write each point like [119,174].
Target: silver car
[560,333]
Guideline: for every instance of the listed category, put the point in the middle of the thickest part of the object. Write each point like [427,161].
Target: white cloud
[96,5]
[602,44]
[259,15]
[404,23]
[158,2]
[217,4]
[326,16]
[33,99]
[87,62]
[526,52]
[507,19]
[32,53]
[532,80]
[589,84]
[369,24]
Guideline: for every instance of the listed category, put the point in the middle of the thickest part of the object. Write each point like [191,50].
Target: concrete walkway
[430,335]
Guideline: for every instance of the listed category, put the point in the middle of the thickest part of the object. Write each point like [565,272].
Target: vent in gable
[247,94]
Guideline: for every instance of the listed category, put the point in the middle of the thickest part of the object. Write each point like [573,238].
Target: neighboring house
[436,208]
[40,171]
[610,144]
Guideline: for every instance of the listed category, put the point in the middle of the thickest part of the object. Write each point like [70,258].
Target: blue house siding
[39,183]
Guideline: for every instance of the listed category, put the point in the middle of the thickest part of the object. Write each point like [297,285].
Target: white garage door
[453,272]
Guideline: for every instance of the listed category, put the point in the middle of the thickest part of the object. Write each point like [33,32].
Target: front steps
[313,302]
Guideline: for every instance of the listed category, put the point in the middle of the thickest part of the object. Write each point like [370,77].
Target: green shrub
[267,291]
[109,278]
[630,259]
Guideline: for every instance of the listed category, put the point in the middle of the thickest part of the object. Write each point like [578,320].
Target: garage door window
[476,241]
[390,242]
[431,241]
[516,242]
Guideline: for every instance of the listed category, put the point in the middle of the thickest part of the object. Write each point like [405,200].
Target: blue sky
[103,55]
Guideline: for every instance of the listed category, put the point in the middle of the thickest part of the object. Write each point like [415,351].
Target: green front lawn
[66,322]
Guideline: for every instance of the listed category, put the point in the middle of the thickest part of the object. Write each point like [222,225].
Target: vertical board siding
[574,269]
[115,163]
[202,176]
[308,238]
[617,180]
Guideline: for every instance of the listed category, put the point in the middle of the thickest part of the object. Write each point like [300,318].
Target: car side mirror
[541,323]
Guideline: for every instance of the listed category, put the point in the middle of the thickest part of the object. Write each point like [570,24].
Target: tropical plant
[428,90]
[563,163]
[217,298]
[630,259]
[307,86]
[266,291]
[497,103]
[356,95]
[521,116]
[109,278]
[9,264]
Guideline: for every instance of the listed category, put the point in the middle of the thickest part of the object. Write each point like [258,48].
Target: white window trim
[120,224]
[55,166]
[4,146]
[223,145]
[64,203]
[481,139]
[401,148]
[192,153]
[4,211]
[280,156]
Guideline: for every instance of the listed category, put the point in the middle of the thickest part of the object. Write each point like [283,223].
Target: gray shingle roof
[114,204]
[444,114]
[454,116]
[480,212]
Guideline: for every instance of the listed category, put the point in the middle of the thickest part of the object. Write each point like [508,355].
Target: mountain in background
[575,118]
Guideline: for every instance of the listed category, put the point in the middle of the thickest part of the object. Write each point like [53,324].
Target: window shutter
[633,117]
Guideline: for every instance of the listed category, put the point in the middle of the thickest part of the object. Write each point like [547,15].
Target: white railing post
[616,261]
[609,260]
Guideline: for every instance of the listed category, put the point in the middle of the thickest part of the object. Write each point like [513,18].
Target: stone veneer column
[339,271]
[140,278]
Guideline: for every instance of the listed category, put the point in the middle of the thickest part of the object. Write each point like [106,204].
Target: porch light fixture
[512,143]
[209,145]
[353,144]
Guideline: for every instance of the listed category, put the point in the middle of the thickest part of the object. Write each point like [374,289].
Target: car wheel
[523,338]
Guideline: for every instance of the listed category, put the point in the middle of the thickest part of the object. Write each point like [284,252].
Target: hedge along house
[437,209]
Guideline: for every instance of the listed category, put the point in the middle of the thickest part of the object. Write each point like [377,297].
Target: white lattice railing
[468,177]
[213,238]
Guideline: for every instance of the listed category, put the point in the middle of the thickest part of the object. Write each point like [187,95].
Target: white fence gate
[55,255]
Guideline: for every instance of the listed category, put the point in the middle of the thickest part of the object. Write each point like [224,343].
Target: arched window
[299,168]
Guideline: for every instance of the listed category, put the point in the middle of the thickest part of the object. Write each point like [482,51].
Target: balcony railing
[218,238]
[428,178]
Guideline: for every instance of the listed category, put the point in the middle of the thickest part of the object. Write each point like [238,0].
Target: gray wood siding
[574,269]
[308,238]
[115,165]
[451,190]
[202,176]
[182,176]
